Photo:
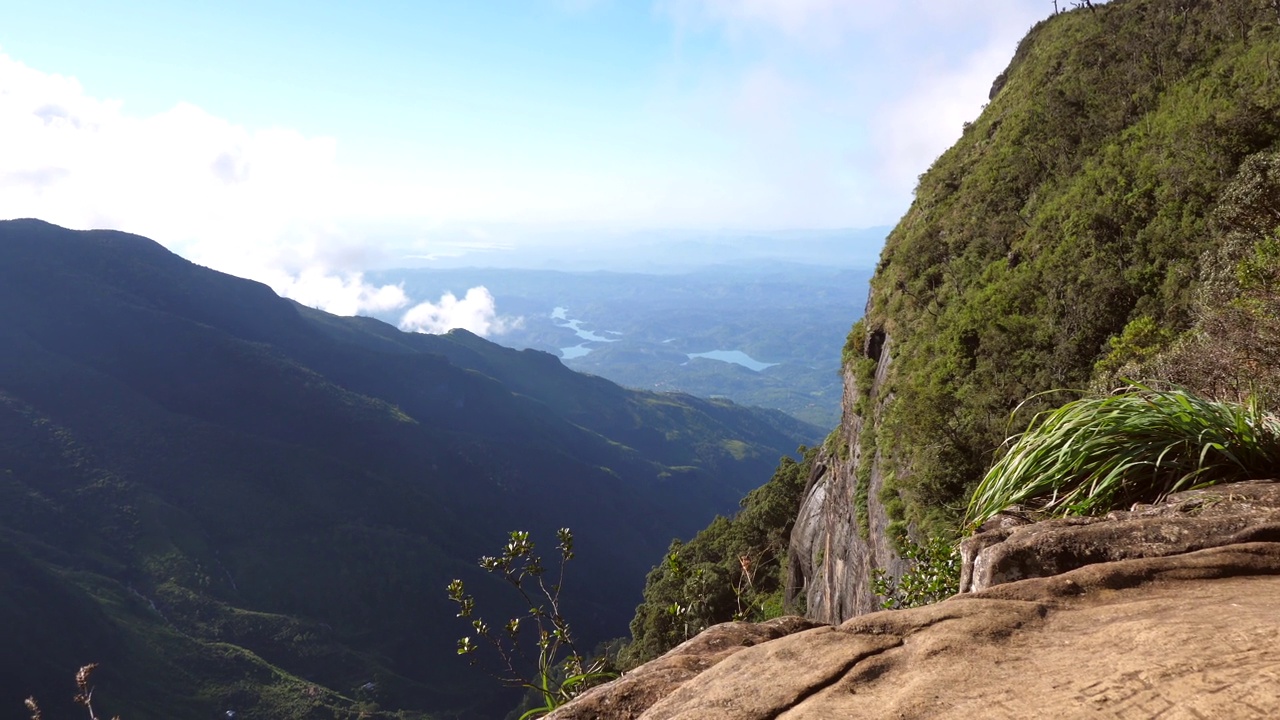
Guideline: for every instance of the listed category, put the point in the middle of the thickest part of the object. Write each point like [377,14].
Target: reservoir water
[576,351]
[736,357]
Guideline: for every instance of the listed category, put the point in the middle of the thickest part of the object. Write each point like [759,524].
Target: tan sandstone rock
[1175,634]
[1186,521]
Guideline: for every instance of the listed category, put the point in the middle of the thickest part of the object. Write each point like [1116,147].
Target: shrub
[933,575]
[83,696]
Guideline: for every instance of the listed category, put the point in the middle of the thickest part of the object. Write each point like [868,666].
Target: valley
[240,503]
[758,334]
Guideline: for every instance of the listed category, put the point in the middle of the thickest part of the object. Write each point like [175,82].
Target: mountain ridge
[1068,236]
[243,485]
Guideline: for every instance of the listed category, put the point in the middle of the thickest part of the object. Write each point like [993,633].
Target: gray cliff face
[831,556]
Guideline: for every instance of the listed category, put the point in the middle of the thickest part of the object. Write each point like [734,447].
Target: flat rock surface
[1195,635]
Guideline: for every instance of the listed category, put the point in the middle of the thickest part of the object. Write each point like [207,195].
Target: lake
[561,315]
[736,357]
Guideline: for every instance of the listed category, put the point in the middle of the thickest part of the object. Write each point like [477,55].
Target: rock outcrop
[842,530]
[1186,521]
[632,694]
[1177,618]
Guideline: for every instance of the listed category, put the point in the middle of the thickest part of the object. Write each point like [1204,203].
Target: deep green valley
[233,502]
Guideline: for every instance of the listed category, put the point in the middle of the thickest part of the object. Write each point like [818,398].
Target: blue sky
[301,142]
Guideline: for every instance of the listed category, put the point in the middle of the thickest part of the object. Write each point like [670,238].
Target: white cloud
[916,125]
[889,85]
[260,204]
[476,312]
[340,296]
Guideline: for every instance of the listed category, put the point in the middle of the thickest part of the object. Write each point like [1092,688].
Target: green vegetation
[1094,454]
[734,569]
[557,678]
[235,503]
[862,492]
[933,575]
[1091,219]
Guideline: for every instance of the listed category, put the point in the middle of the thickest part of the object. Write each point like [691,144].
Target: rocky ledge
[1169,611]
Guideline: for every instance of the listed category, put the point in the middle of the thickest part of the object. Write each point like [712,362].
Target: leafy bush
[1094,454]
[933,575]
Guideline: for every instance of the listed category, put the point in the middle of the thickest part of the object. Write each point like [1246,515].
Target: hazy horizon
[305,144]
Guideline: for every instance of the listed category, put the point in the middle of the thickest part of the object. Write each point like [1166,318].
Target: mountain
[235,503]
[1112,216]
[1112,213]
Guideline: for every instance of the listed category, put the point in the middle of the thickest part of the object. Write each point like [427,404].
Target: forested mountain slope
[1125,165]
[235,503]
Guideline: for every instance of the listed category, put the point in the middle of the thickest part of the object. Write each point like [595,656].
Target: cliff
[1112,617]
[841,533]
[1128,153]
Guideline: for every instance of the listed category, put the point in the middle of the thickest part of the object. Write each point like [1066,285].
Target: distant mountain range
[237,503]
[793,318]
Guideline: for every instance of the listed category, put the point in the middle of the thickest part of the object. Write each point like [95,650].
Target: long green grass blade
[1094,454]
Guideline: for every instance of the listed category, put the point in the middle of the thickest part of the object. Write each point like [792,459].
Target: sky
[301,143]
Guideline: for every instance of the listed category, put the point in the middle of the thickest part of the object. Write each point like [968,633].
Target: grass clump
[1094,454]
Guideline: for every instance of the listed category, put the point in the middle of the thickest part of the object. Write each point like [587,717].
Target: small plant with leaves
[83,696]
[561,672]
[933,575]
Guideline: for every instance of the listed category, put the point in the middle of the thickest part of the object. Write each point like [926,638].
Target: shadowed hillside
[235,503]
